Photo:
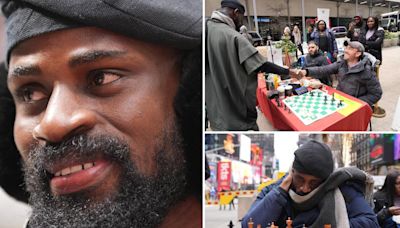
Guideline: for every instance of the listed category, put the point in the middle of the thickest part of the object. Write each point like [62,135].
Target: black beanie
[174,23]
[234,4]
[314,158]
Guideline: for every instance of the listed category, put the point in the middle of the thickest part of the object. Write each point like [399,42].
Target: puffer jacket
[358,81]
[373,45]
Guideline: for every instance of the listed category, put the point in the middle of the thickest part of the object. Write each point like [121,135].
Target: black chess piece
[319,94]
[340,103]
[290,111]
[312,93]
[284,107]
[230,225]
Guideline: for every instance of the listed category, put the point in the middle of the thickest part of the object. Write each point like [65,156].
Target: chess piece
[319,94]
[250,224]
[304,226]
[312,93]
[340,103]
[332,102]
[289,223]
[273,225]
[333,96]
[284,107]
[230,225]
[259,226]
[290,111]
[327,226]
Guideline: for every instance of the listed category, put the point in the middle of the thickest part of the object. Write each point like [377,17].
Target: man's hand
[394,210]
[294,73]
[335,55]
[302,73]
[285,185]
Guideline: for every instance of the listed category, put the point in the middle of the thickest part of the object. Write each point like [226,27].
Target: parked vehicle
[256,37]
[339,31]
[391,21]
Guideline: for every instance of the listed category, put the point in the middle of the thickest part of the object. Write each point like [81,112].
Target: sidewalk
[216,218]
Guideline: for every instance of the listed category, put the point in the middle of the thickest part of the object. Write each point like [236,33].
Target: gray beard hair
[141,201]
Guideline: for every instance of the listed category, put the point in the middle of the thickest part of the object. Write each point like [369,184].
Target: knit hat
[314,158]
[175,23]
[234,4]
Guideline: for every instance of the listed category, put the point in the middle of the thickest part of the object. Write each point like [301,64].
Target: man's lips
[80,177]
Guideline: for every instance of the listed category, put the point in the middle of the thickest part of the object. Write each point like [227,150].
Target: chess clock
[301,90]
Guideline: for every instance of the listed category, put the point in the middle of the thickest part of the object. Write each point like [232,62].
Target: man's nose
[305,188]
[65,116]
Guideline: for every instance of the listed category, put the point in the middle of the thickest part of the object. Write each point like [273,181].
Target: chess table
[352,115]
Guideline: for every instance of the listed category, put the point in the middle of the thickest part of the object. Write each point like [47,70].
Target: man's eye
[100,78]
[31,95]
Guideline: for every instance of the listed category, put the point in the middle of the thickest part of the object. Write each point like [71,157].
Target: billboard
[245,147]
[382,148]
[224,175]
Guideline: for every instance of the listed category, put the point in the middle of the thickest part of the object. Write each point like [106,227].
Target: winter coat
[382,204]
[331,40]
[359,81]
[373,45]
[274,205]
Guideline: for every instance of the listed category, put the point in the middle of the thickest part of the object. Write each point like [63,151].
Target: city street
[220,218]
[389,79]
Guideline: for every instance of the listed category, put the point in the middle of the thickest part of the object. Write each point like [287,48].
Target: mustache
[76,148]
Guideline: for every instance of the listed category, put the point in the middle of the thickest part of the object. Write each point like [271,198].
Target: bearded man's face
[96,128]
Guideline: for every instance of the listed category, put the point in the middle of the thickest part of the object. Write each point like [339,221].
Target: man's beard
[140,201]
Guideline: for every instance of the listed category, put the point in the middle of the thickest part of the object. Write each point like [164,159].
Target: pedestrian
[356,28]
[354,73]
[232,64]
[387,200]
[243,31]
[297,39]
[325,39]
[372,37]
[313,194]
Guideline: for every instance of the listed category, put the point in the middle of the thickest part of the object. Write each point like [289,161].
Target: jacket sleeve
[374,90]
[313,35]
[359,212]
[376,44]
[323,71]
[268,209]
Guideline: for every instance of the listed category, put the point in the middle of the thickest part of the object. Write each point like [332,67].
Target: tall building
[361,152]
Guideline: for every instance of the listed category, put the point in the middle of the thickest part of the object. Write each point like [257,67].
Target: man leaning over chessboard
[313,195]
[354,73]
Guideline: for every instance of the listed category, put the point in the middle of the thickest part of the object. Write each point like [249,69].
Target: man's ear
[236,11]
[358,54]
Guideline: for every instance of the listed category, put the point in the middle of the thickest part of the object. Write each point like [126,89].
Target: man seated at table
[316,57]
[354,73]
[313,194]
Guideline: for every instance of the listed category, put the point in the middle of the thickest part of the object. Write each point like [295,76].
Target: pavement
[389,77]
[216,218]
[13,214]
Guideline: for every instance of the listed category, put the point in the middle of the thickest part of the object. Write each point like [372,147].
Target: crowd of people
[232,64]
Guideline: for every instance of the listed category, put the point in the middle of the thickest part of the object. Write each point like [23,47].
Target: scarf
[223,18]
[329,199]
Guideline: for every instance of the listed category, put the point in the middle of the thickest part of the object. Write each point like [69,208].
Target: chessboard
[314,105]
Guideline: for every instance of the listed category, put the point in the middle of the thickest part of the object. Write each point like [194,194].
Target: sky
[285,144]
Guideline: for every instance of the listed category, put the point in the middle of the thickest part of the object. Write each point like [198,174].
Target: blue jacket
[273,205]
